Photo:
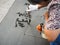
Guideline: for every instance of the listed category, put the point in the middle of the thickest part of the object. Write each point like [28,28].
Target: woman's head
[37,1]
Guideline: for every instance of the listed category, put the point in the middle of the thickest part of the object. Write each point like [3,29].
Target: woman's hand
[46,16]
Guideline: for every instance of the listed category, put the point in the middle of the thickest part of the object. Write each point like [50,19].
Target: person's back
[54,15]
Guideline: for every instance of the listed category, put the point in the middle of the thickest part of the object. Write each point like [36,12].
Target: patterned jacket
[54,15]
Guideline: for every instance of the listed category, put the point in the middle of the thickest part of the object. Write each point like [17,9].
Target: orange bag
[39,28]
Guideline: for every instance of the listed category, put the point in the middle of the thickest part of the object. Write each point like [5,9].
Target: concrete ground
[11,35]
[4,7]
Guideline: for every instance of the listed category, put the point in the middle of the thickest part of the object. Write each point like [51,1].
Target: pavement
[11,35]
[4,7]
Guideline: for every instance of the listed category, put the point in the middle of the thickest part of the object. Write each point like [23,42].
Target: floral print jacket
[54,15]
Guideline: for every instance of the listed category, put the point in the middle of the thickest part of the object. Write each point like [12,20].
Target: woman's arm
[51,34]
[46,16]
[35,7]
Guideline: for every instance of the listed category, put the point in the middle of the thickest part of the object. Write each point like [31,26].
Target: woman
[52,19]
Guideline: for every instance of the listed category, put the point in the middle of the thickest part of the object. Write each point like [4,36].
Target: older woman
[52,18]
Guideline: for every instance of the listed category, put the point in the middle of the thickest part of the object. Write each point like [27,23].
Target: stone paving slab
[4,7]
